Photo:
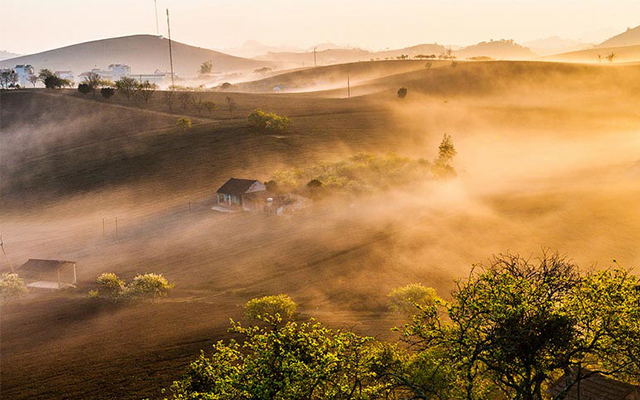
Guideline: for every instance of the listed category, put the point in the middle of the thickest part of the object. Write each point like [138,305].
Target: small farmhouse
[251,195]
[596,387]
[233,192]
[48,274]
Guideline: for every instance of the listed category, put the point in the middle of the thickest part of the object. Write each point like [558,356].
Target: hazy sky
[28,26]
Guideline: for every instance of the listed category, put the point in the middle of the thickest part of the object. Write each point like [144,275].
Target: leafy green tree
[146,90]
[280,305]
[402,92]
[93,81]
[11,287]
[285,360]
[127,86]
[515,326]
[149,286]
[84,88]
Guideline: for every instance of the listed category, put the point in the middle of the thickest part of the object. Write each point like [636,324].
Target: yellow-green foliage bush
[149,286]
[267,122]
[110,285]
[12,287]
[270,306]
[407,299]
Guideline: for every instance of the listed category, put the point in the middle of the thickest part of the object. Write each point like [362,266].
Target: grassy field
[547,158]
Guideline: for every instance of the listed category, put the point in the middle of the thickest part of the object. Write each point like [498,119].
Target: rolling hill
[623,54]
[143,53]
[631,37]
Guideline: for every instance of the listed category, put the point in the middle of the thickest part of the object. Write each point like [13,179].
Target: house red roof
[597,387]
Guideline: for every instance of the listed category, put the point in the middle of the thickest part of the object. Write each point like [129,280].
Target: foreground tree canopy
[509,331]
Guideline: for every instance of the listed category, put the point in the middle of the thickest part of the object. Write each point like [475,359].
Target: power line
[155,5]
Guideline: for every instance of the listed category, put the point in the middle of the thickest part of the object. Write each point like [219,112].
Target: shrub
[270,306]
[84,88]
[149,286]
[110,285]
[407,299]
[184,124]
[267,122]
[12,287]
[402,92]
[107,92]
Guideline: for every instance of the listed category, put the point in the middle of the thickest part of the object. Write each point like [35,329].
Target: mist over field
[548,158]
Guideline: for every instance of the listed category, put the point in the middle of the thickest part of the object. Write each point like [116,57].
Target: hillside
[534,144]
[143,53]
[555,45]
[623,54]
[630,37]
[499,50]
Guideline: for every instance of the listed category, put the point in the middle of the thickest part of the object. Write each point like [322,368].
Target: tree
[11,287]
[185,99]
[611,56]
[146,90]
[428,65]
[407,299]
[51,80]
[149,286]
[442,167]
[280,305]
[107,92]
[231,105]
[402,92]
[600,57]
[33,79]
[84,88]
[285,360]
[184,124]
[8,78]
[210,106]
[206,67]
[515,326]
[127,86]
[169,98]
[93,81]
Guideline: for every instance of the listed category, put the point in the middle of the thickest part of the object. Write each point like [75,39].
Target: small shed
[232,193]
[49,274]
[596,386]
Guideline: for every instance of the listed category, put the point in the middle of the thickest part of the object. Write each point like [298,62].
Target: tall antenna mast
[315,59]
[155,5]
[170,53]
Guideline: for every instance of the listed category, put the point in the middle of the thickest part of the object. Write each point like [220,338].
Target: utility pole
[103,232]
[315,57]
[155,4]
[170,53]
[116,228]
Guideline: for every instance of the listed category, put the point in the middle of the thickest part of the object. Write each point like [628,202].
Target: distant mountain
[6,54]
[327,46]
[630,37]
[143,53]
[498,49]
[425,49]
[253,48]
[555,45]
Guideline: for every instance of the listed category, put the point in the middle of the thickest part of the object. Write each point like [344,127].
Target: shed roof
[235,186]
[596,387]
[38,266]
